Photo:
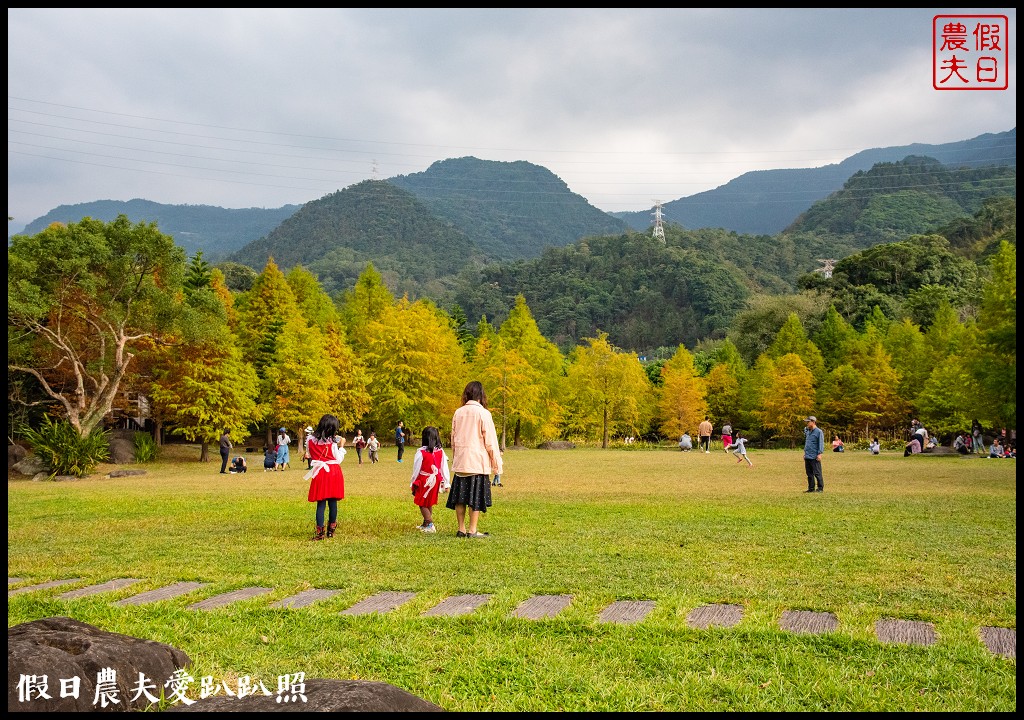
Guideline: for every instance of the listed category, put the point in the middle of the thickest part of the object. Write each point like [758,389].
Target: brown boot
[331,527]
[319,533]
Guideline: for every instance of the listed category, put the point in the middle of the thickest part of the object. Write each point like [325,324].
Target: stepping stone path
[457,605]
[304,598]
[229,597]
[108,586]
[719,615]
[381,602]
[626,611]
[1000,641]
[42,586]
[164,593]
[805,621]
[907,632]
[542,606]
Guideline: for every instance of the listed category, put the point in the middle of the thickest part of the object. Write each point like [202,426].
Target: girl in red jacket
[429,474]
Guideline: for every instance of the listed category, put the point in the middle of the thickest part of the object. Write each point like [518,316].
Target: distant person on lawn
[704,435]
[225,451]
[814,448]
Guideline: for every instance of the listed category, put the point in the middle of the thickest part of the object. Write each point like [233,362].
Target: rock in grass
[61,648]
[321,696]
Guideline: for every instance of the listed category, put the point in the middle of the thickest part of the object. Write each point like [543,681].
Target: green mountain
[511,210]
[766,201]
[894,200]
[373,221]
[216,231]
[646,294]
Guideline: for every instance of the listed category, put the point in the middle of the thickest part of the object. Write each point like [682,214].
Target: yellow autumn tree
[513,385]
[681,403]
[606,392]
[787,396]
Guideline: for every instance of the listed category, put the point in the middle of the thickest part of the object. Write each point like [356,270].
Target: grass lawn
[930,539]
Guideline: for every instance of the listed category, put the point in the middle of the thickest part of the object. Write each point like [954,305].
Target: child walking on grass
[739,448]
[326,481]
[429,474]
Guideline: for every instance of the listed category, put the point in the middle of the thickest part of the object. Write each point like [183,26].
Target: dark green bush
[145,447]
[66,452]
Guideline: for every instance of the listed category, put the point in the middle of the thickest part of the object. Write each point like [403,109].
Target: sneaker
[820,490]
[707,452]
[807,491]
[459,533]
[429,528]
[478,534]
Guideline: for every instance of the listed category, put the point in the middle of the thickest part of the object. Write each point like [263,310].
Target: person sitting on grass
[238,465]
[996,450]
[875,447]
[837,444]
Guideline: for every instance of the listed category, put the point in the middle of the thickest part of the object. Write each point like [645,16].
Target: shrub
[66,452]
[145,447]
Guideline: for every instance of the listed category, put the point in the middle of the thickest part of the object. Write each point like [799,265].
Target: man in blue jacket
[814,447]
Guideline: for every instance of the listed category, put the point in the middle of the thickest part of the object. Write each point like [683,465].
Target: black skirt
[474,491]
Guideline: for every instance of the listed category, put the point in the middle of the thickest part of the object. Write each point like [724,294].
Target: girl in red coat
[429,474]
[326,482]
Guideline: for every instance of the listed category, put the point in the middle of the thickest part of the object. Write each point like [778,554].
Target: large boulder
[59,648]
[122,451]
[321,696]
[15,454]
[557,445]
[30,465]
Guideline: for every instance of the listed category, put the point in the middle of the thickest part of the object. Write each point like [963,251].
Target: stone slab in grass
[1000,641]
[457,605]
[808,622]
[219,601]
[42,586]
[542,606]
[164,593]
[626,611]
[304,598]
[108,586]
[721,615]
[907,632]
[380,603]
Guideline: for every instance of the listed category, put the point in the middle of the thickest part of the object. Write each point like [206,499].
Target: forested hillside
[511,210]
[893,200]
[371,222]
[216,231]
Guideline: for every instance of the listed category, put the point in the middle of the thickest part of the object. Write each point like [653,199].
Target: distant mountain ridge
[511,210]
[216,231]
[764,202]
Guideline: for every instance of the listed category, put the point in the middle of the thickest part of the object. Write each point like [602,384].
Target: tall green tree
[205,388]
[994,364]
[81,300]
[834,338]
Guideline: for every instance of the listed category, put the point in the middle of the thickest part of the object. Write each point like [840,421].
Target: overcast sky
[263,108]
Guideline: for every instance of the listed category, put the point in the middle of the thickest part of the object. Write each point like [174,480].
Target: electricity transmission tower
[827,266]
[659,229]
